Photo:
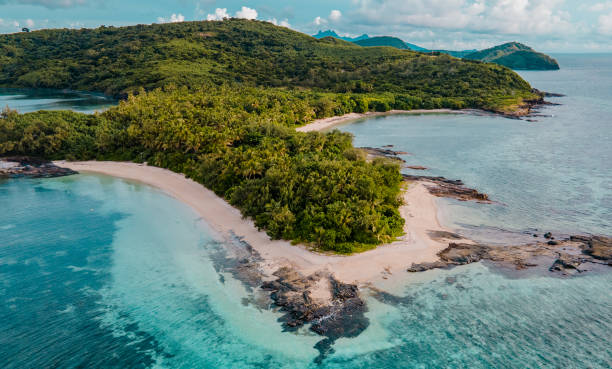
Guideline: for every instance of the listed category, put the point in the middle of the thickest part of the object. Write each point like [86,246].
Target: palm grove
[219,101]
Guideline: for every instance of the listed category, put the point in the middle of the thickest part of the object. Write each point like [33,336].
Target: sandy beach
[415,246]
[327,123]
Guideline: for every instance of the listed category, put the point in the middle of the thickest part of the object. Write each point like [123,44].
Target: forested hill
[118,61]
[516,56]
[231,94]
[388,41]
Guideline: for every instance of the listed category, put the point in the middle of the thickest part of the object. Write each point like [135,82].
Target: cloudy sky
[548,25]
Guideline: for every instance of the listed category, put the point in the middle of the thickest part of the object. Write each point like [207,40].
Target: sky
[547,25]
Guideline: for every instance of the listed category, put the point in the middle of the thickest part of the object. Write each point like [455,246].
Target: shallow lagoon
[102,272]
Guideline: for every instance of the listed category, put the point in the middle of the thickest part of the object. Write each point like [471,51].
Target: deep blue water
[27,100]
[100,272]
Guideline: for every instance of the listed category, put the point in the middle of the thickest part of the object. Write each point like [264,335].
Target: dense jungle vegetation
[219,101]
[118,61]
[240,143]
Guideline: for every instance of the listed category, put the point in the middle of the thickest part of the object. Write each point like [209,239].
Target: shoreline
[326,123]
[416,246]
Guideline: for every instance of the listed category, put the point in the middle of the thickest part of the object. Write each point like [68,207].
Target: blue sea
[26,100]
[552,174]
[105,273]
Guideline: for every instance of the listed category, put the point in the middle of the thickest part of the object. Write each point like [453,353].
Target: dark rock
[442,187]
[547,235]
[552,94]
[376,152]
[567,254]
[342,316]
[421,267]
[28,167]
[566,262]
[599,248]
[535,235]
[443,235]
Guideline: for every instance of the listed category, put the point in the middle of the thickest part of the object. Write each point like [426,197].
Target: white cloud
[335,15]
[220,14]
[29,23]
[246,13]
[510,17]
[174,18]
[605,24]
[283,23]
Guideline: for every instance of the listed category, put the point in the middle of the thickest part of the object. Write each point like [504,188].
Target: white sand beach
[415,246]
[327,123]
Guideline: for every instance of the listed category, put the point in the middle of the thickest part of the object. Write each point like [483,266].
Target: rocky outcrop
[27,167]
[567,263]
[452,188]
[375,152]
[565,256]
[334,309]
[416,167]
[597,247]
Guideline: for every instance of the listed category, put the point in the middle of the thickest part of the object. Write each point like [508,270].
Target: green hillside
[383,41]
[218,101]
[515,56]
[118,61]
[388,41]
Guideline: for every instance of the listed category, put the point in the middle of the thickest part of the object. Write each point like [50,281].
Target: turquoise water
[100,272]
[104,273]
[552,175]
[28,100]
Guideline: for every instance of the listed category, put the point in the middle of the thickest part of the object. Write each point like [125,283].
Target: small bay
[26,100]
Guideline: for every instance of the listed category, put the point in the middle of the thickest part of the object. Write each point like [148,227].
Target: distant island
[516,56]
[388,41]
[513,55]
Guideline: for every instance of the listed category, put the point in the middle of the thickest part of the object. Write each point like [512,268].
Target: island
[232,117]
[513,55]
[516,56]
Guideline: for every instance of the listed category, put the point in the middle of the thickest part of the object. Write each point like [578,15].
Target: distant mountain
[515,55]
[457,54]
[388,41]
[330,33]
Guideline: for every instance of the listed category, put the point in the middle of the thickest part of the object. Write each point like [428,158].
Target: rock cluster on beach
[451,188]
[334,309]
[28,167]
[567,256]
[437,186]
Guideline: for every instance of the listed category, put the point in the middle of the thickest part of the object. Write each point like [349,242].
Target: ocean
[101,272]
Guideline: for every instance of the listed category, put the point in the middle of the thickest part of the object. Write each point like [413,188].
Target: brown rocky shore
[29,167]
[451,188]
[437,186]
[567,256]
